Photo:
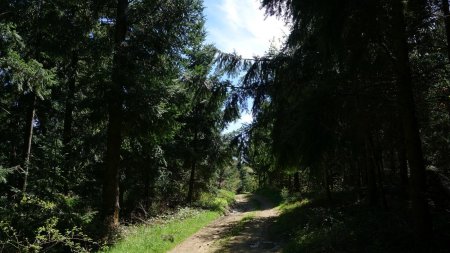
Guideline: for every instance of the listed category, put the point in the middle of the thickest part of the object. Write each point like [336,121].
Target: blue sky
[241,26]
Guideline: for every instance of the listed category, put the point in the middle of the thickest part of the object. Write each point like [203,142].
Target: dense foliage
[356,101]
[110,110]
[113,110]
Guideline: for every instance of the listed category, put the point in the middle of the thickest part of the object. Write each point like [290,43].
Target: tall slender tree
[422,221]
[114,133]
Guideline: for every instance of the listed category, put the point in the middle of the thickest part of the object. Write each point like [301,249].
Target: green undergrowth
[163,234]
[217,201]
[310,225]
[316,225]
[166,231]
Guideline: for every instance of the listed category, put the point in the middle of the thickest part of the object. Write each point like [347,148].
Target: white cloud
[230,10]
[246,118]
[241,26]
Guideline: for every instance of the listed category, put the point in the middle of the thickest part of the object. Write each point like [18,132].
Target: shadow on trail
[246,204]
[250,233]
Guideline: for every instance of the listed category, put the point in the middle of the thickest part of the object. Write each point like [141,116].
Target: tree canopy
[114,111]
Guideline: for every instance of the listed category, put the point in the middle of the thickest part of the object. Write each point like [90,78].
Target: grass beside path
[163,237]
[165,232]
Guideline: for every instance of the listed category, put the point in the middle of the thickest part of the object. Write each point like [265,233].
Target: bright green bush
[248,180]
[227,195]
[219,201]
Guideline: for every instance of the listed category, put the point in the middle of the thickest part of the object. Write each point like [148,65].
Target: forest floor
[243,229]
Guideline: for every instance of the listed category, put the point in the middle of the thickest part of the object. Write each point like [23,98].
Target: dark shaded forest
[113,112]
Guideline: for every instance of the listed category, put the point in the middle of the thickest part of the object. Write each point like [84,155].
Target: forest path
[244,229]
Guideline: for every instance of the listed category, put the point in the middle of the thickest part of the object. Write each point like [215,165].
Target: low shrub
[37,224]
[219,201]
[311,225]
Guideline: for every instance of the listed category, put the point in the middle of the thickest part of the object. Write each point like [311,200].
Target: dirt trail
[250,237]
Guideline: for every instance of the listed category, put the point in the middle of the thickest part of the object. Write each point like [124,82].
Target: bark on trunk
[421,216]
[111,176]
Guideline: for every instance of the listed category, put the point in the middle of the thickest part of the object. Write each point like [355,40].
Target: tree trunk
[378,156]
[68,118]
[221,179]
[421,216]
[193,167]
[146,178]
[191,183]
[28,138]
[297,181]
[31,110]
[403,170]
[112,159]
[445,11]
[358,177]
[371,179]
[371,170]
[326,177]
[289,183]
